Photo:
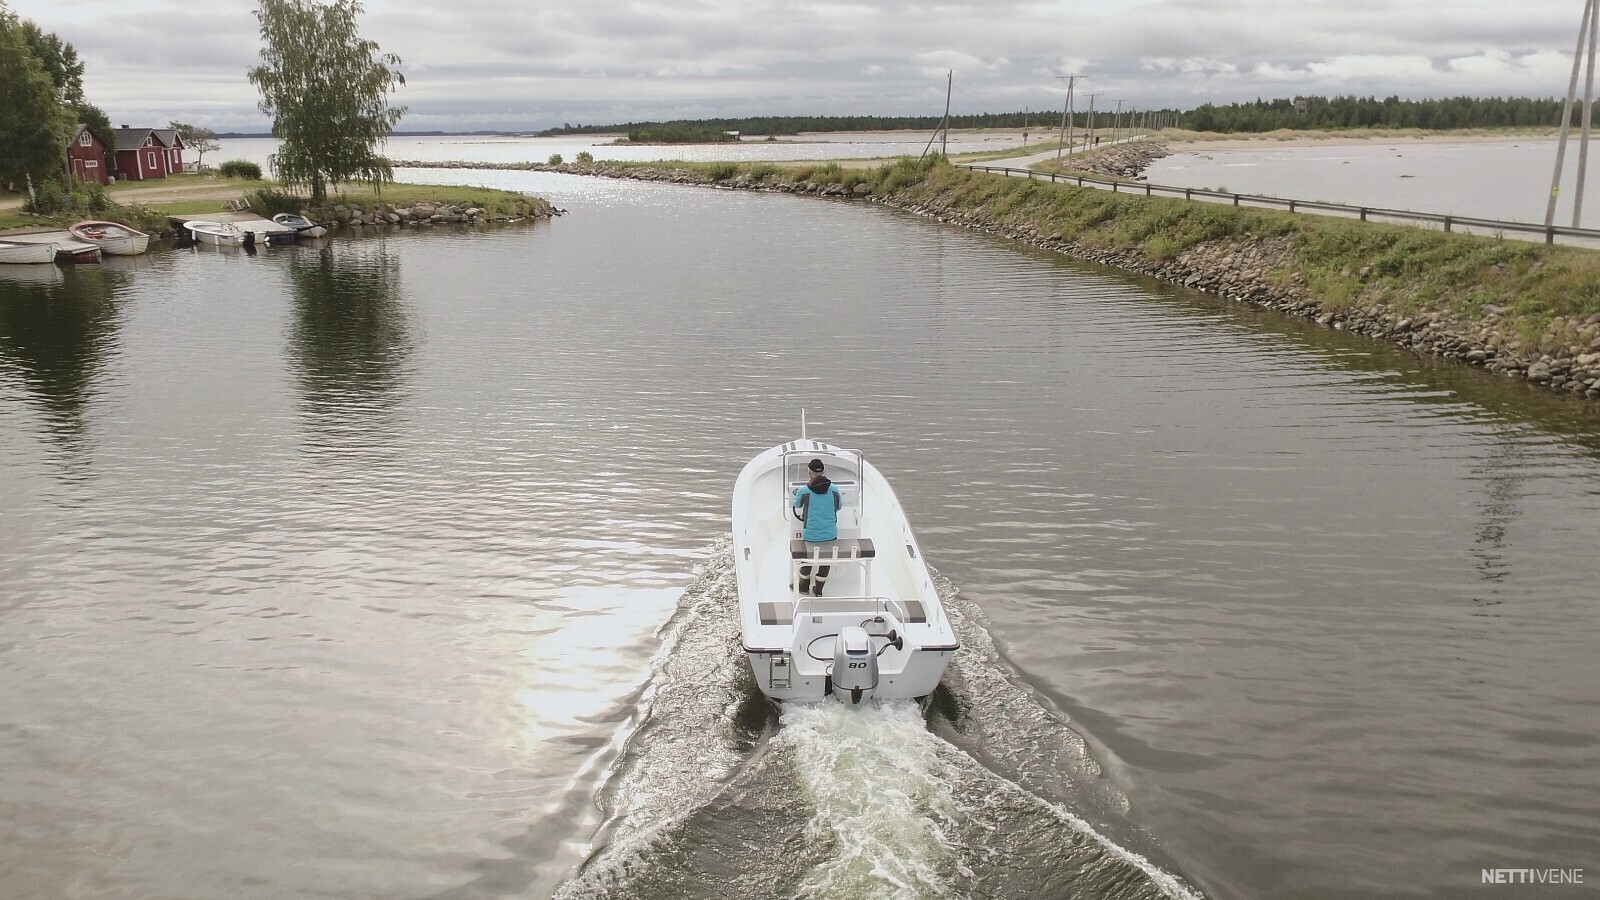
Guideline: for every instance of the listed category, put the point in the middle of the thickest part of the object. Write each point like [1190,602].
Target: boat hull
[112,239]
[27,254]
[125,246]
[302,226]
[876,581]
[215,234]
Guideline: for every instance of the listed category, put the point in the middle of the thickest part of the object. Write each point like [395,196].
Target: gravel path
[159,193]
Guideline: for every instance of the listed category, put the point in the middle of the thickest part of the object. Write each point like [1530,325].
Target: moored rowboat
[112,238]
[20,253]
[217,234]
[302,225]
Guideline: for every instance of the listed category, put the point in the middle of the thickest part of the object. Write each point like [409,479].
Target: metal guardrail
[1364,213]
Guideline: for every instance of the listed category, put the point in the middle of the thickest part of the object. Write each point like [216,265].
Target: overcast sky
[508,65]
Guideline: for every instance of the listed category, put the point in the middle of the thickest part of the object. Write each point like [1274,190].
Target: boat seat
[843,548]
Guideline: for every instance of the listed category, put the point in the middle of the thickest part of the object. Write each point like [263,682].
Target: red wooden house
[86,156]
[141,154]
[175,148]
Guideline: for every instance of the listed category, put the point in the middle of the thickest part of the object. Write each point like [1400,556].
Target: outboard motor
[855,666]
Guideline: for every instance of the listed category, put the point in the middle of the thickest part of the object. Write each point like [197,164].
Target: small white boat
[302,225]
[23,253]
[878,629]
[218,234]
[112,238]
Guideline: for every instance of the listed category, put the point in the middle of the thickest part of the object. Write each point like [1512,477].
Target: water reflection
[57,329]
[1503,473]
[351,339]
[1452,390]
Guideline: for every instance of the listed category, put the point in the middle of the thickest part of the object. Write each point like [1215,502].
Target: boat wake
[720,793]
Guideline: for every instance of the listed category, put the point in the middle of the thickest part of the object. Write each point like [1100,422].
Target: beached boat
[302,225]
[21,253]
[112,238]
[218,234]
[878,629]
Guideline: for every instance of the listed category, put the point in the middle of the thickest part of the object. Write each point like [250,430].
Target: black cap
[815,465]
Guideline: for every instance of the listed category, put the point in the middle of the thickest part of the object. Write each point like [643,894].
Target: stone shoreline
[1243,270]
[432,213]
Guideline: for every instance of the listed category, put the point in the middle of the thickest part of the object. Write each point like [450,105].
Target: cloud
[491,64]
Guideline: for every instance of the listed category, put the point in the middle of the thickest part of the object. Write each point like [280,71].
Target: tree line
[1332,113]
[1300,113]
[791,125]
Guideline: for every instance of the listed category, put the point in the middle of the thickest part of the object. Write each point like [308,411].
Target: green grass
[16,218]
[1545,292]
[152,216]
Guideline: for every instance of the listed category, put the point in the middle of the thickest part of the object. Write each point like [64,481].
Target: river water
[395,566]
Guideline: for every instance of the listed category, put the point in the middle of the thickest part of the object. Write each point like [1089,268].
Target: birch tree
[327,91]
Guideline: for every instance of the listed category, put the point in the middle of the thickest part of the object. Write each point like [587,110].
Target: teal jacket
[820,516]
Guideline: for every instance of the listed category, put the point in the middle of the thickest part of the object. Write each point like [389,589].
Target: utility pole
[949,85]
[1588,110]
[1116,122]
[1586,38]
[1066,116]
[945,122]
[1088,141]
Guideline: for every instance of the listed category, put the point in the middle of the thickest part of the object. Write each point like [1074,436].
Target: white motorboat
[302,225]
[878,629]
[218,234]
[20,252]
[112,238]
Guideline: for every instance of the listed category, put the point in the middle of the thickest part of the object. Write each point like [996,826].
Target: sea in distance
[1501,179]
[397,566]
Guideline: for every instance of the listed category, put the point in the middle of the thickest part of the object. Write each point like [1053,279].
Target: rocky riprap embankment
[1261,273]
[438,213]
[1121,161]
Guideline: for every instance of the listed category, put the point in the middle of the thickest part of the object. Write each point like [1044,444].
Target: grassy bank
[1343,264]
[146,205]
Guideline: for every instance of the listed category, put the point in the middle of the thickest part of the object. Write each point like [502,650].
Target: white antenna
[802,423]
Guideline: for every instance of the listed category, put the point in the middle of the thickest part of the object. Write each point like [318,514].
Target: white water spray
[875,782]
